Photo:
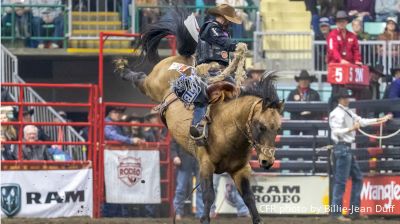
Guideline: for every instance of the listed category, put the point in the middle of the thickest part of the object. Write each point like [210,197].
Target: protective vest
[206,52]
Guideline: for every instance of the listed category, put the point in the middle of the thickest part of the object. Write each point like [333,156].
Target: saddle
[221,91]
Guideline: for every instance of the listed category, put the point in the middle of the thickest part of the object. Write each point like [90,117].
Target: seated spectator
[21,16]
[115,132]
[47,15]
[34,152]
[135,131]
[5,95]
[9,132]
[152,134]
[391,33]
[329,8]
[385,9]
[324,29]
[147,15]
[27,117]
[362,9]
[303,92]
[8,152]
[58,154]
[375,74]
[357,26]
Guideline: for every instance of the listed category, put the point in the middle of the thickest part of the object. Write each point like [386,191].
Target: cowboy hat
[341,15]
[342,93]
[256,68]
[378,69]
[227,11]
[304,75]
[134,117]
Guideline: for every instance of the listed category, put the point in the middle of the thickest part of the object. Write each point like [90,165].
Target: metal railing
[394,54]
[284,51]
[372,53]
[9,74]
[115,16]
[289,52]
[10,27]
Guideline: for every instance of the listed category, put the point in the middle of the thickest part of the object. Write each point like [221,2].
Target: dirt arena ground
[220,220]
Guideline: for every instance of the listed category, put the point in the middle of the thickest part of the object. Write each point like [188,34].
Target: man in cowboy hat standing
[343,123]
[214,46]
[304,93]
[342,44]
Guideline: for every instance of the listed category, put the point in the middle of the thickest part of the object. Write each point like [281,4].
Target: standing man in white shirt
[344,123]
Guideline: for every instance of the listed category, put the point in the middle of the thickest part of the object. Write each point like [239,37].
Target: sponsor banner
[380,195]
[279,194]
[46,193]
[132,176]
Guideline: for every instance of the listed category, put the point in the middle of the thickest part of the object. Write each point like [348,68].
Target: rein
[248,133]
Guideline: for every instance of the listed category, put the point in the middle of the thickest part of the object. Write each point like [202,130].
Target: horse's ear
[280,106]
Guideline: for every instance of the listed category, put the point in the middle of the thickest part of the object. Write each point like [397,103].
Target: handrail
[46,113]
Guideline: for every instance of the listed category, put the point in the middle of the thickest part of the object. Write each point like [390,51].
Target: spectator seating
[374,28]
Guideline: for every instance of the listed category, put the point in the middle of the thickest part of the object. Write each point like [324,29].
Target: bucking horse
[248,121]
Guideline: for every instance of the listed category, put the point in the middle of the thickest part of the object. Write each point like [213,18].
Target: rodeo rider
[214,46]
[344,123]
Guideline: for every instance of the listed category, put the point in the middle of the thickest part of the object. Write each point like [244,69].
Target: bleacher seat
[374,28]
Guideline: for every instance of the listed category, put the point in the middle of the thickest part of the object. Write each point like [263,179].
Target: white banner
[132,176]
[280,194]
[47,193]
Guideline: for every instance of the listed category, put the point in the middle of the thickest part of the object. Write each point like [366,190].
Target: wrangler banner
[380,195]
[132,176]
[279,194]
[46,193]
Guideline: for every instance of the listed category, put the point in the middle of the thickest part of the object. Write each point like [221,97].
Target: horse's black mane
[265,89]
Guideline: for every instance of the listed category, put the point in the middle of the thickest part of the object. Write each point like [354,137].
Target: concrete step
[95,44]
[94,32]
[96,25]
[95,16]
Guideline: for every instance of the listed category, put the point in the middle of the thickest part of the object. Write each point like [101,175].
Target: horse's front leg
[242,182]
[206,179]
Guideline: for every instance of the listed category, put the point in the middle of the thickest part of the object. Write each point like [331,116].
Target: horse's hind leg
[242,182]
[206,178]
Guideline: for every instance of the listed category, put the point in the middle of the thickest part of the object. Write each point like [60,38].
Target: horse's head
[264,127]
[265,118]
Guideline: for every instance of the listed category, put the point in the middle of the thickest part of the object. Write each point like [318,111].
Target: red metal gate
[91,124]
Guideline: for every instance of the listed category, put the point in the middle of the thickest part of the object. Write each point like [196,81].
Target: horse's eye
[279,130]
[263,128]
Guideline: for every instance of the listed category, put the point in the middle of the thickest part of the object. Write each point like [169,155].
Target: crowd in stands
[33,22]
[30,134]
[361,11]
[37,25]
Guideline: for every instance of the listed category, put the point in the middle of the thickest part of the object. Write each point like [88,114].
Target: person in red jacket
[342,44]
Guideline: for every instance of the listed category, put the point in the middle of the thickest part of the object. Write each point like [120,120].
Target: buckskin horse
[251,120]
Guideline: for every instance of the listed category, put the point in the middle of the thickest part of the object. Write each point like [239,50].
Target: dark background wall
[78,69]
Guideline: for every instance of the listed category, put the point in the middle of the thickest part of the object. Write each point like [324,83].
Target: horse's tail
[172,23]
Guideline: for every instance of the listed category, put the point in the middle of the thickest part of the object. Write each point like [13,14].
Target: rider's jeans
[345,166]
[199,112]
